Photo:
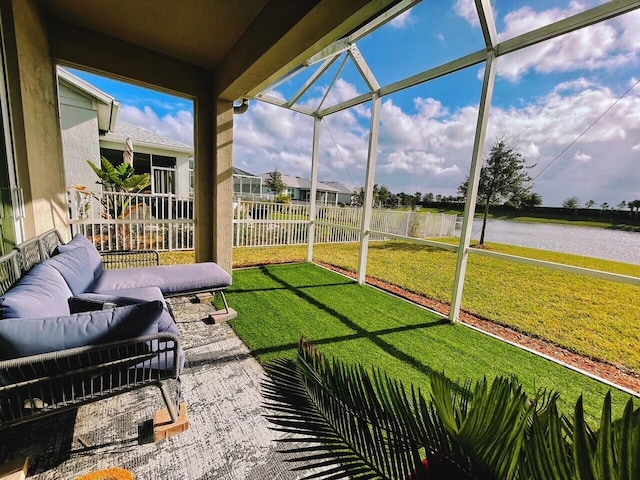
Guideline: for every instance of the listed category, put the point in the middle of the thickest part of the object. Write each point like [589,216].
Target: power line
[586,130]
[338,150]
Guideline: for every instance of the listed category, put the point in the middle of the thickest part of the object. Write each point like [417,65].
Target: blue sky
[546,97]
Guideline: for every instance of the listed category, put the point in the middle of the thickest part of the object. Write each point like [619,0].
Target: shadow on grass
[401,246]
[275,289]
[372,336]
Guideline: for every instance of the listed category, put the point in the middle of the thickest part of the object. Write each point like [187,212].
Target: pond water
[591,242]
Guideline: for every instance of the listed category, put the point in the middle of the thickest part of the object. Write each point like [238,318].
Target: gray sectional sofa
[74,330]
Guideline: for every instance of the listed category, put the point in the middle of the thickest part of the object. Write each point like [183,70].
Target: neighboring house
[91,130]
[246,185]
[345,192]
[299,189]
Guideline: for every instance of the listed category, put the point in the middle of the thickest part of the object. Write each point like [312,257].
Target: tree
[417,198]
[622,205]
[428,197]
[531,201]
[571,202]
[503,176]
[604,206]
[275,183]
[384,196]
[634,206]
[525,200]
[403,199]
[120,179]
[357,199]
[590,204]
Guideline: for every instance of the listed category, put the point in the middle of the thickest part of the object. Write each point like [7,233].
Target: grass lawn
[279,303]
[595,317]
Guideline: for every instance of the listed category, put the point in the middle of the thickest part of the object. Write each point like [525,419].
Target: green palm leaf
[358,424]
[339,417]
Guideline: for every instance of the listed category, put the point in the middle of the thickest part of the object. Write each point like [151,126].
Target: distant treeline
[578,214]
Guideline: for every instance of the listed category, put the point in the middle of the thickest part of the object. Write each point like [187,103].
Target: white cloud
[558,119]
[429,148]
[630,38]
[529,150]
[525,19]
[178,126]
[607,45]
[581,157]
[467,10]
[402,20]
[416,162]
[573,85]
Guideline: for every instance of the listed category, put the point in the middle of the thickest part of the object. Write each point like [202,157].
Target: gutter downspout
[243,107]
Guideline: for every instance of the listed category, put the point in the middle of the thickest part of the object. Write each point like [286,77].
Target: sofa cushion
[41,292]
[23,337]
[170,279]
[129,296]
[94,259]
[74,266]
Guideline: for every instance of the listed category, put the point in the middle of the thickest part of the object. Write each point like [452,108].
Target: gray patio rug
[228,437]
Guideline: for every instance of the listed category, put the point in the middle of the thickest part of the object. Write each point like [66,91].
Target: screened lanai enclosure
[482,75]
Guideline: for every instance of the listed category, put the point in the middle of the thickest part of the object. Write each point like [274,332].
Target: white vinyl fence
[116,221]
[261,224]
[125,221]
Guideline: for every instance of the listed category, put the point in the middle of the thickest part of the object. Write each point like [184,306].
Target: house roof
[342,188]
[302,183]
[107,106]
[237,171]
[141,137]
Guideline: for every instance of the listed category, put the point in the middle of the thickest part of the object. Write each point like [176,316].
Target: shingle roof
[237,171]
[342,188]
[301,183]
[144,137]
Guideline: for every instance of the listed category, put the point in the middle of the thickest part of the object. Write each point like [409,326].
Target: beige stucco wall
[32,86]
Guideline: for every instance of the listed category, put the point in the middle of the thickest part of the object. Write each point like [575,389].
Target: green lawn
[278,304]
[595,317]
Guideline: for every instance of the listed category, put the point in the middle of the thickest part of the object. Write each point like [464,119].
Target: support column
[368,189]
[223,191]
[204,126]
[472,189]
[315,156]
[214,181]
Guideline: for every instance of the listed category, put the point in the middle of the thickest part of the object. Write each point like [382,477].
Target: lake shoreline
[598,243]
[617,222]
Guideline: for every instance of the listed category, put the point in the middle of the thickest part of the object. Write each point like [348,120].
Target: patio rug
[228,437]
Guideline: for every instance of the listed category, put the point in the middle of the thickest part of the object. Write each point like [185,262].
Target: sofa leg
[164,428]
[171,407]
[16,469]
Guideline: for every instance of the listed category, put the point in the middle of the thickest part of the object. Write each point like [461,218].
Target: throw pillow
[80,241]
[31,336]
[40,292]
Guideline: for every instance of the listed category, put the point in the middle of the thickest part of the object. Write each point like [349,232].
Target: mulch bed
[613,373]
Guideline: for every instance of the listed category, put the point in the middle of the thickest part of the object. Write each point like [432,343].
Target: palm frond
[338,407]
[349,422]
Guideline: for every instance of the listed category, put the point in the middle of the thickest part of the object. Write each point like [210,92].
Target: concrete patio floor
[228,436]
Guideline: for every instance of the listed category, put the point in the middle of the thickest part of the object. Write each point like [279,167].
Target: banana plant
[118,179]
[355,423]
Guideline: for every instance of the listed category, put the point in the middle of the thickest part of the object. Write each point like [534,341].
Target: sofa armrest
[44,384]
[114,259]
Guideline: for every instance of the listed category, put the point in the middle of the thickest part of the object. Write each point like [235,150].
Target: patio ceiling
[246,46]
